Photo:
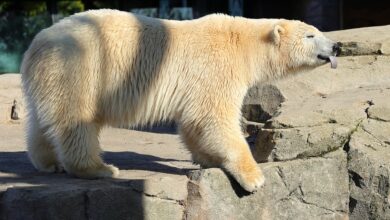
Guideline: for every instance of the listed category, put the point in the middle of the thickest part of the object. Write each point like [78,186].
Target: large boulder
[369,168]
[315,188]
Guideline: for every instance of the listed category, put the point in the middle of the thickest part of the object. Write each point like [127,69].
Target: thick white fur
[114,68]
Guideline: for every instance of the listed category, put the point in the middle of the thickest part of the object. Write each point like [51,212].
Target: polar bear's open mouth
[331,59]
[323,57]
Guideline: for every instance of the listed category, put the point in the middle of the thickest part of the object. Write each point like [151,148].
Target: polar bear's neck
[246,41]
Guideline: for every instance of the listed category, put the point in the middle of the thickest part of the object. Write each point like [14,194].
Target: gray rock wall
[315,188]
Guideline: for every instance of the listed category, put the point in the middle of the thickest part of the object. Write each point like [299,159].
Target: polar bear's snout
[331,57]
[328,50]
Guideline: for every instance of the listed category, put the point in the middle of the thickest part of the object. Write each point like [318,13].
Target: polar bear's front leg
[79,151]
[242,166]
[221,144]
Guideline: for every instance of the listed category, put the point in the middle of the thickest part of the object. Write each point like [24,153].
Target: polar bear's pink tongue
[333,62]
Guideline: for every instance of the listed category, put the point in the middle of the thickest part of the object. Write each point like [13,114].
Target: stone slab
[369,168]
[315,188]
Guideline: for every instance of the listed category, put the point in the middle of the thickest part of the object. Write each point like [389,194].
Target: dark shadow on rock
[255,112]
[28,194]
[134,161]
[15,162]
[261,102]
[86,200]
[18,163]
[237,188]
[263,146]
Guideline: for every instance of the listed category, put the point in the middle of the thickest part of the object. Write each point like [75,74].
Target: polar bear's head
[301,45]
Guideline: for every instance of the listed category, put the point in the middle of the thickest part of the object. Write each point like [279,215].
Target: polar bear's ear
[276,34]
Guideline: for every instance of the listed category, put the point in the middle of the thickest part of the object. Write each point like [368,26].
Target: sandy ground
[138,154]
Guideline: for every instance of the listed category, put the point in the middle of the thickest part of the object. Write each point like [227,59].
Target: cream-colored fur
[114,68]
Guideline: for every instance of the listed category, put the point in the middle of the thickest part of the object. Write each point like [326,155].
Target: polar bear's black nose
[337,48]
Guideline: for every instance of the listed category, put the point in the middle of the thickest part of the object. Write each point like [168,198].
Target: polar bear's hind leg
[40,150]
[79,151]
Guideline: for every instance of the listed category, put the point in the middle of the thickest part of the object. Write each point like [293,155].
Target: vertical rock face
[39,203]
[359,125]
[315,188]
[80,199]
[369,168]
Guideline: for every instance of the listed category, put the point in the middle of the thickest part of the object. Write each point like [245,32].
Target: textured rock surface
[315,188]
[369,168]
[261,102]
[359,124]
[320,124]
[360,48]
[89,200]
[371,35]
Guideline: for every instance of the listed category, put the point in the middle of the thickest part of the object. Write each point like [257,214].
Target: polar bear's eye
[310,36]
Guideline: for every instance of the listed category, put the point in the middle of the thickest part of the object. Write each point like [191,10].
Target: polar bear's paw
[251,182]
[248,175]
[44,159]
[101,171]
[46,164]
[49,168]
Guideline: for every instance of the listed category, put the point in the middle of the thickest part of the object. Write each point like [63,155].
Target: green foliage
[17,29]
[34,8]
[69,7]
[104,4]
[26,8]
[4,5]
[20,21]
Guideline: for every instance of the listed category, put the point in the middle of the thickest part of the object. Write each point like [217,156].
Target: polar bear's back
[101,64]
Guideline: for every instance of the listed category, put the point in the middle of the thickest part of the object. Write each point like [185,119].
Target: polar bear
[106,67]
